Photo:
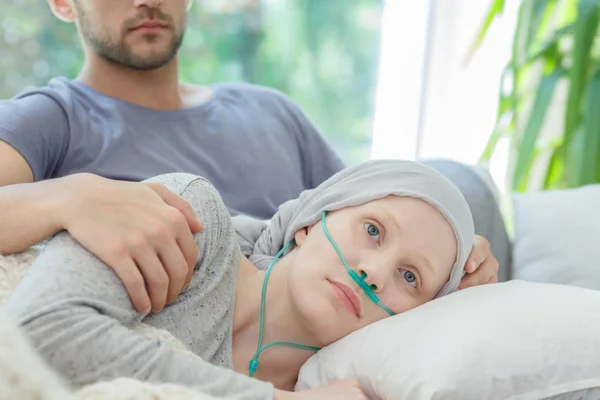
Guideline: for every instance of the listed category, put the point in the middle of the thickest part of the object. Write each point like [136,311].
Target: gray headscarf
[353,186]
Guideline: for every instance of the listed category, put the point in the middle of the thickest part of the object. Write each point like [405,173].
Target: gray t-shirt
[79,317]
[253,143]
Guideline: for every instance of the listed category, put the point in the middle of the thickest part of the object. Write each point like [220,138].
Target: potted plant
[555,50]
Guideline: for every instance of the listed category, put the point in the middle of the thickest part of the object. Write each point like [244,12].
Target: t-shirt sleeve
[319,159]
[36,125]
[78,315]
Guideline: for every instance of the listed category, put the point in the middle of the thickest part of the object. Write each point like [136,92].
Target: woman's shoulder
[179,182]
[217,242]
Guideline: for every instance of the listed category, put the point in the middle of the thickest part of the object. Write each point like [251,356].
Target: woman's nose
[373,276]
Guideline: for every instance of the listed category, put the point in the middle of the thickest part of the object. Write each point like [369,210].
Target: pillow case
[556,236]
[513,340]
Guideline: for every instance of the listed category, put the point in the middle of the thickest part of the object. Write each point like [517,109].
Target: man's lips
[348,297]
[149,25]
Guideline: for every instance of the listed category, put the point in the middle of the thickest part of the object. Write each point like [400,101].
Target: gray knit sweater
[78,315]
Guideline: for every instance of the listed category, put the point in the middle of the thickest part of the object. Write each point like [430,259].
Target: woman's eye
[409,276]
[372,230]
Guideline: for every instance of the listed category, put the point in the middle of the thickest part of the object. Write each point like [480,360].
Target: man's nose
[148,3]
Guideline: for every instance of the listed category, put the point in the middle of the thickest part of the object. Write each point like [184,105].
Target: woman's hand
[338,390]
[481,266]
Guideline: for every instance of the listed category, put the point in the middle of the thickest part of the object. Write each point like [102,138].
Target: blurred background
[322,53]
[503,83]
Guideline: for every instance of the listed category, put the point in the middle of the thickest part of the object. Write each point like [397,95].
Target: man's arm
[28,213]
[140,230]
[143,231]
[34,137]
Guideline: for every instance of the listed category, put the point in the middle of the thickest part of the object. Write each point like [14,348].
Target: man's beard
[120,53]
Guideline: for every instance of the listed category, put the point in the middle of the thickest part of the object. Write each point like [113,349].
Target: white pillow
[513,340]
[556,239]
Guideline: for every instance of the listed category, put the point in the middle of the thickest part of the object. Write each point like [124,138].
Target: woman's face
[405,247]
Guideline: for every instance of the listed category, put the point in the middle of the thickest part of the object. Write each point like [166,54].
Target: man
[72,153]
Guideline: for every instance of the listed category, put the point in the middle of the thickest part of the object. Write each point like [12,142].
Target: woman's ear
[300,235]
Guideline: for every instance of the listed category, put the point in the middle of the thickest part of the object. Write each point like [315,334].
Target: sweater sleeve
[78,314]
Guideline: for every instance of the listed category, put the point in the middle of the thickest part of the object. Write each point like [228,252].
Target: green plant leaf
[543,23]
[586,25]
[496,9]
[493,141]
[549,45]
[587,162]
[504,119]
[533,20]
[520,47]
[542,27]
[526,151]
[554,172]
[568,11]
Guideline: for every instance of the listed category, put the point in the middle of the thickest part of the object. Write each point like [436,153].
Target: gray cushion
[478,188]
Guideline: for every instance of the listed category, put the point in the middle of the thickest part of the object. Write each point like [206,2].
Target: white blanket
[25,376]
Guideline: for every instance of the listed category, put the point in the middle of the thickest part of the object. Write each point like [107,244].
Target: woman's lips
[347,297]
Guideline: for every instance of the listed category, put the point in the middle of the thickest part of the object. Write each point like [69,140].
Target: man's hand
[141,230]
[481,266]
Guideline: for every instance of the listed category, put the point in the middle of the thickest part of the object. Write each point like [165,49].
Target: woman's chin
[327,321]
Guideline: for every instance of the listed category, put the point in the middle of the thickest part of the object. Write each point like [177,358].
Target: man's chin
[148,55]
[143,61]
[150,64]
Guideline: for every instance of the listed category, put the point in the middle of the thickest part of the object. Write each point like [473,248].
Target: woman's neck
[279,365]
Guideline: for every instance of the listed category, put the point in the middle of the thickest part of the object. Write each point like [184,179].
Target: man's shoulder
[43,106]
[252,92]
[54,97]
[58,88]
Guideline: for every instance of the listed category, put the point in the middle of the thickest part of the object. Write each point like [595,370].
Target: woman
[373,241]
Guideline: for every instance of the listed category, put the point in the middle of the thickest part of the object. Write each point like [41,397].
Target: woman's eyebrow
[392,219]
[427,263]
